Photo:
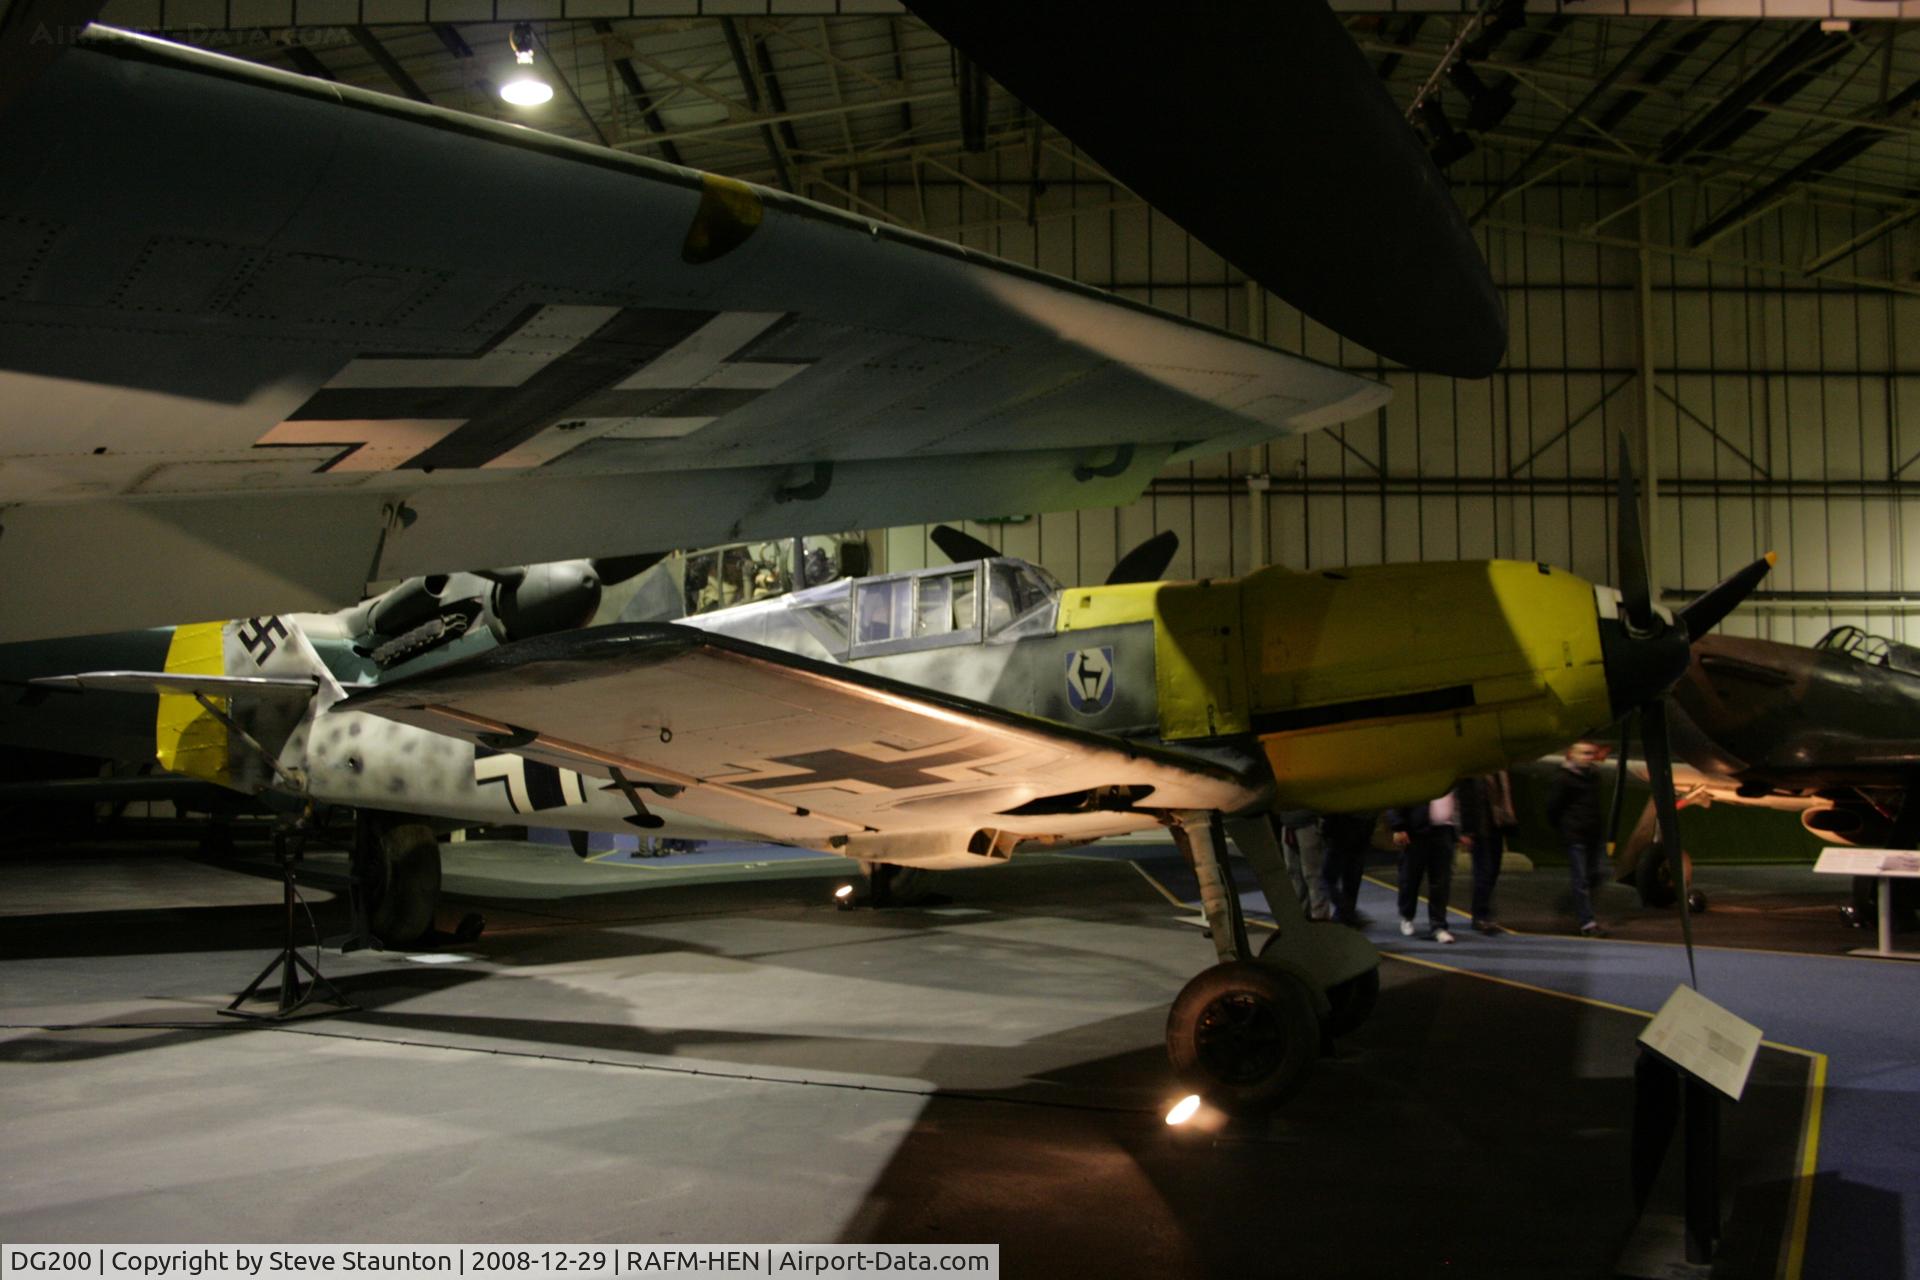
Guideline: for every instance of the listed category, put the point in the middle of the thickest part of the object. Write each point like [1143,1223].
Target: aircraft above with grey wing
[267,339]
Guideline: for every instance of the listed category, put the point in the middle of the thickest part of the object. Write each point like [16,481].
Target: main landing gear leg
[1243,1034]
[1335,961]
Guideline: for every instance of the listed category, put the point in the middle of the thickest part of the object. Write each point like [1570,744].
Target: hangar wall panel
[1786,411]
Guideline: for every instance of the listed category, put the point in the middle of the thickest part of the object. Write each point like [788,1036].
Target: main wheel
[400,878]
[1352,1001]
[1654,878]
[1243,1035]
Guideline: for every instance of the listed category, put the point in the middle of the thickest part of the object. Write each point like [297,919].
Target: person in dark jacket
[1486,820]
[1347,837]
[1424,834]
[1573,807]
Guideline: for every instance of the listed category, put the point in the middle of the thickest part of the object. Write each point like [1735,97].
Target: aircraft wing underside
[265,338]
[796,750]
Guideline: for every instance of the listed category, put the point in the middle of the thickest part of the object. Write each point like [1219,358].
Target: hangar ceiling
[1722,120]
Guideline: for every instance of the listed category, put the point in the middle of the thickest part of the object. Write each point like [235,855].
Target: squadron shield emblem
[1090,679]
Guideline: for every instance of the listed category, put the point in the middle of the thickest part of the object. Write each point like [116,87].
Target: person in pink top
[1424,834]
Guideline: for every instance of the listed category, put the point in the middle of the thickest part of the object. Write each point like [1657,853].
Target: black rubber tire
[1654,878]
[1243,1035]
[1351,1001]
[402,885]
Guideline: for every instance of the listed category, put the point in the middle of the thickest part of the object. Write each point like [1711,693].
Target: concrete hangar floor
[703,1049]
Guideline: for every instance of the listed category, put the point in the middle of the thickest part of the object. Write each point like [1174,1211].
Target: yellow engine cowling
[1380,685]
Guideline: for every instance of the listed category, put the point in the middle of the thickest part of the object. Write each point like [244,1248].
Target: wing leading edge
[800,751]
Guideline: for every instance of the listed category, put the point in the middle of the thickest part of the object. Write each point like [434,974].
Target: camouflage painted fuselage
[1354,689]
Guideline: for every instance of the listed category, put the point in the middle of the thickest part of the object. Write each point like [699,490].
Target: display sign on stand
[1885,865]
[1704,1041]
[1693,1054]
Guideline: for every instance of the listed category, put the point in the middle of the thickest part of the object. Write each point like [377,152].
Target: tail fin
[191,739]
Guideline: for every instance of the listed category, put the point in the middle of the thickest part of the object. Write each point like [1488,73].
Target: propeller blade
[1653,728]
[1635,596]
[617,569]
[1705,613]
[1620,779]
[1334,204]
[959,546]
[1147,562]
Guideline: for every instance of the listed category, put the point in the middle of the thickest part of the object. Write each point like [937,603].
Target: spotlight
[1184,1110]
[1486,107]
[524,90]
[1445,143]
[843,897]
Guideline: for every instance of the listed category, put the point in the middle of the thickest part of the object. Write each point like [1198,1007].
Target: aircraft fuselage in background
[1832,730]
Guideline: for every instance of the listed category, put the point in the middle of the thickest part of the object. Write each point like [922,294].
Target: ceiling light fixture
[527,90]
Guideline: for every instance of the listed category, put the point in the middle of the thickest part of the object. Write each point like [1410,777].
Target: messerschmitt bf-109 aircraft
[951,717]
[266,339]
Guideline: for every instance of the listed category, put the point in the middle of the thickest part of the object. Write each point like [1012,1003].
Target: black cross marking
[581,383]
[542,781]
[825,768]
[261,637]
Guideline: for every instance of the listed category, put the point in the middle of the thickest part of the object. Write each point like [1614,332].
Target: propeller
[1145,563]
[614,570]
[960,546]
[1646,652]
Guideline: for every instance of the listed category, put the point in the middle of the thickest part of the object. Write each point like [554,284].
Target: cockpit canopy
[995,601]
[1877,650]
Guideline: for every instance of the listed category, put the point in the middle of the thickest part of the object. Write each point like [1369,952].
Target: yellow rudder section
[186,738]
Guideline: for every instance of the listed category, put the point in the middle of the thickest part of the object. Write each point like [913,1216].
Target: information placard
[1868,862]
[1696,1035]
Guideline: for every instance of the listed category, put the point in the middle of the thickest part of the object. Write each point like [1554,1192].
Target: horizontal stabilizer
[289,688]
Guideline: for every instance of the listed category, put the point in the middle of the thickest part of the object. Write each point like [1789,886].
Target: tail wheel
[400,881]
[1243,1035]
[1352,1001]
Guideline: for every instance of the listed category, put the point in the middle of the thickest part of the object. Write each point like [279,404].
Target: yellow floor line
[1796,1255]
[1793,1256]
[1159,888]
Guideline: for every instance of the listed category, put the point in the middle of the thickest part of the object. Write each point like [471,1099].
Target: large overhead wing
[1259,126]
[801,751]
[265,338]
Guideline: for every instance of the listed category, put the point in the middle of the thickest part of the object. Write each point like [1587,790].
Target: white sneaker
[1442,935]
[1406,928]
